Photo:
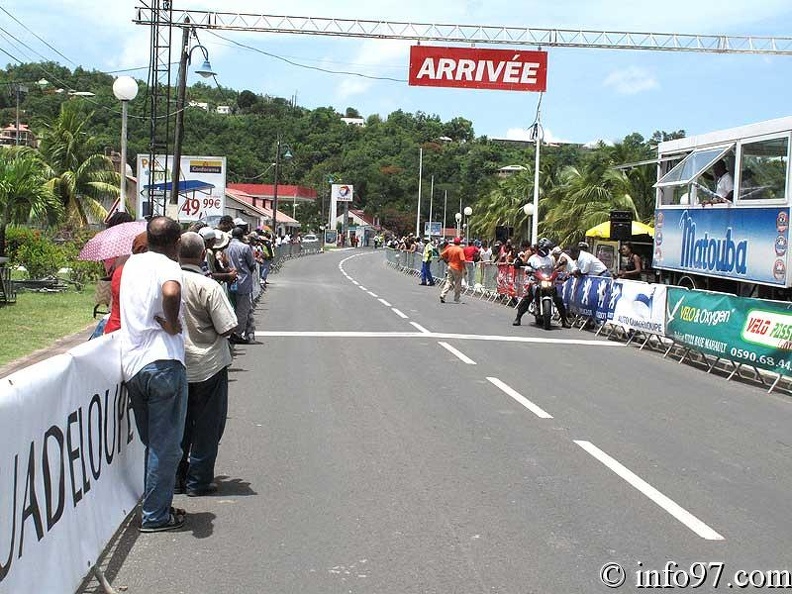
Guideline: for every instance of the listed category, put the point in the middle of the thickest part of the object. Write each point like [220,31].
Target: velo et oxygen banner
[476,68]
[750,331]
[71,467]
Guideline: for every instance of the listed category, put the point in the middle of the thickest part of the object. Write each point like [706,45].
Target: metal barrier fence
[482,279]
[714,330]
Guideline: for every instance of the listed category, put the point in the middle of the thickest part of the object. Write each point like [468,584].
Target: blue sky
[592,93]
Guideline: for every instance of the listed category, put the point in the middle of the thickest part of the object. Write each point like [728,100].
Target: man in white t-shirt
[152,358]
[724,187]
[587,263]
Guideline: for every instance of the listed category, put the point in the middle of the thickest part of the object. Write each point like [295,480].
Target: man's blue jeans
[264,267]
[426,273]
[207,408]
[158,393]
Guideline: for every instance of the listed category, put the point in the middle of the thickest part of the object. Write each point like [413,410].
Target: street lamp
[286,155]
[125,88]
[529,210]
[458,218]
[205,71]
[537,135]
[468,211]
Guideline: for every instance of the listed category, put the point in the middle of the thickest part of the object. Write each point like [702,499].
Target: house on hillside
[224,109]
[354,122]
[10,136]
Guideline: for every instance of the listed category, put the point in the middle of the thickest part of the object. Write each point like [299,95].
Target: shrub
[41,257]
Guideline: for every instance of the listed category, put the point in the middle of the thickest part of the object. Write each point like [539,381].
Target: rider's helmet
[544,246]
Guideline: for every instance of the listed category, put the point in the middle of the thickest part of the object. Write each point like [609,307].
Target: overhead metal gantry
[467,34]
[162,17]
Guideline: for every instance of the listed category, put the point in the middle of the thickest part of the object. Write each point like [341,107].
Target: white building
[354,122]
[224,109]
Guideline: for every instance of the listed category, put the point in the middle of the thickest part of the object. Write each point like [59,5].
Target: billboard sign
[476,68]
[433,229]
[742,244]
[342,192]
[201,189]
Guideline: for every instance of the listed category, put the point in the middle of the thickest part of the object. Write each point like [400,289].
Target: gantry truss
[473,34]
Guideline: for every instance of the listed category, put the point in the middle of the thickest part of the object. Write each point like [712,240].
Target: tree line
[578,184]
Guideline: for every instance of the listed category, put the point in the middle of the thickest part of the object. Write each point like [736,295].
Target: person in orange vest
[454,256]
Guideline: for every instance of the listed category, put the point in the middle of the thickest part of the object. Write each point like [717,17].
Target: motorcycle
[543,285]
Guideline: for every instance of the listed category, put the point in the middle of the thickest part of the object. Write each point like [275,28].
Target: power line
[36,36]
[12,36]
[293,63]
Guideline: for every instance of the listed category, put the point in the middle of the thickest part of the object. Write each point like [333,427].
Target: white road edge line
[385,303]
[362,288]
[666,503]
[539,412]
[420,328]
[461,356]
[373,294]
[399,313]
[354,282]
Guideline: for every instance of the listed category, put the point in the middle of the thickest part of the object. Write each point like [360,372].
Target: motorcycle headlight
[546,284]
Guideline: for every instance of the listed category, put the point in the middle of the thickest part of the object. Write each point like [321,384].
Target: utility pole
[179,128]
[420,176]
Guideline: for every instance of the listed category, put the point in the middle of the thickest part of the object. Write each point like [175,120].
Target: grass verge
[37,320]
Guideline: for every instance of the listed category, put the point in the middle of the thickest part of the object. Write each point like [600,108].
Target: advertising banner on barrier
[71,467]
[589,296]
[638,306]
[750,331]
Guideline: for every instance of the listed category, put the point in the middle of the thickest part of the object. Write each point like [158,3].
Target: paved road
[380,441]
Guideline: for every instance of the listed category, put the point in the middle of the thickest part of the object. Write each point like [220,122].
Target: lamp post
[537,135]
[125,88]
[468,211]
[205,71]
[287,155]
[458,218]
[529,210]
[420,177]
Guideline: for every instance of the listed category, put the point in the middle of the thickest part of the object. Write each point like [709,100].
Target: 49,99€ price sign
[202,187]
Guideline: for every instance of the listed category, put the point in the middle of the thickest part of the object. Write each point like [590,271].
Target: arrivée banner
[71,467]
[478,68]
[750,331]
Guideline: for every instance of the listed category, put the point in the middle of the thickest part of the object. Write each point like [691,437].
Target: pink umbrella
[112,242]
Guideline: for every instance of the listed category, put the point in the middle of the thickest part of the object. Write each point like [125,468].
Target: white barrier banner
[71,467]
[639,306]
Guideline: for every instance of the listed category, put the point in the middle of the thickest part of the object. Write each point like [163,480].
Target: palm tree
[584,198]
[24,195]
[79,176]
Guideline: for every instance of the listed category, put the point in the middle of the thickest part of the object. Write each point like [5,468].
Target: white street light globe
[528,209]
[125,88]
[468,211]
[458,216]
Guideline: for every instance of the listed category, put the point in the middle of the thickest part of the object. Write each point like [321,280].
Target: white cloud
[631,81]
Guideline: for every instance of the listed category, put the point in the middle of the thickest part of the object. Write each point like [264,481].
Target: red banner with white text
[475,68]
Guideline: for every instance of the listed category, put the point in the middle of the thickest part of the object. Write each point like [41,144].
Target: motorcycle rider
[541,258]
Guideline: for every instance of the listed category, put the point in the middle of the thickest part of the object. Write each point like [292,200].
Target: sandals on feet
[174,522]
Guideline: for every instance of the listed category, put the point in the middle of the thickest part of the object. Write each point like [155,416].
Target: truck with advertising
[723,209]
